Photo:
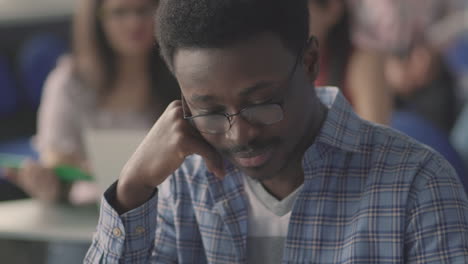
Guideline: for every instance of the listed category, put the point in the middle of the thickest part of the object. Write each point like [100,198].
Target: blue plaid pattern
[371,195]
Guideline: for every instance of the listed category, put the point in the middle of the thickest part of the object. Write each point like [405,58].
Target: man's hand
[162,151]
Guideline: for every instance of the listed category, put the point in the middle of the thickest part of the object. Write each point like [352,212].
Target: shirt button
[139,230]
[116,231]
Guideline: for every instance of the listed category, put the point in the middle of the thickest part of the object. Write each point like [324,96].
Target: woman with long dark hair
[329,23]
[113,79]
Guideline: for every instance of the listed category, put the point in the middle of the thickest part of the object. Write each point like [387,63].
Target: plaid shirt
[370,195]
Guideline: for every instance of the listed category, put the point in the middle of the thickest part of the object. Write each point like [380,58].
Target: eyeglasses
[260,114]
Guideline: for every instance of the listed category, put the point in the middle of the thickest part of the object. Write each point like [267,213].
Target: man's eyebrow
[199,98]
[202,98]
[258,86]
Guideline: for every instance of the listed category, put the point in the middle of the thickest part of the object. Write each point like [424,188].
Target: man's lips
[255,159]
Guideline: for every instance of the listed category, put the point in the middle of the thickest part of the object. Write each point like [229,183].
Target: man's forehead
[243,92]
[265,52]
[206,75]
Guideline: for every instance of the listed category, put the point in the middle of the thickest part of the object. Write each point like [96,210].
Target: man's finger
[212,158]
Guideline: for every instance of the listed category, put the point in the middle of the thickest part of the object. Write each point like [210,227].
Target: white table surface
[31,220]
[28,11]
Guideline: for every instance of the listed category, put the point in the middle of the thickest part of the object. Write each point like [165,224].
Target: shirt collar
[341,129]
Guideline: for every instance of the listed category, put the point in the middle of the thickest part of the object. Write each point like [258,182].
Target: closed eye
[210,111]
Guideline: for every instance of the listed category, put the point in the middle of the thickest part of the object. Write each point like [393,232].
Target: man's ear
[311,59]
[185,107]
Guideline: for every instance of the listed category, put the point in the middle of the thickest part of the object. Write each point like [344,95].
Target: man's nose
[242,132]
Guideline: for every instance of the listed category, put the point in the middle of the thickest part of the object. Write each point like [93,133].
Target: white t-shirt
[268,221]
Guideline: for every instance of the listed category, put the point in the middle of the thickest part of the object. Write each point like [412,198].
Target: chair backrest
[37,57]
[8,89]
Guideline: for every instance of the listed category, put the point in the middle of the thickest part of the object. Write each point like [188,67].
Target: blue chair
[425,132]
[37,57]
[8,90]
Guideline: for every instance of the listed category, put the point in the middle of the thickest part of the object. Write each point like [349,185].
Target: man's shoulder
[346,132]
[391,147]
[382,156]
[381,138]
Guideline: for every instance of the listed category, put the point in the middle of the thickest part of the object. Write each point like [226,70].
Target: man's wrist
[129,196]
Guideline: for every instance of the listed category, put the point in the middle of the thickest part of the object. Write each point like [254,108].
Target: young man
[255,165]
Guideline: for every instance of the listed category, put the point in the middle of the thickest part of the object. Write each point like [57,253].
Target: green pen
[65,173]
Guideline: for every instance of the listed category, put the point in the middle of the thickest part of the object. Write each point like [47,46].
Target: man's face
[256,72]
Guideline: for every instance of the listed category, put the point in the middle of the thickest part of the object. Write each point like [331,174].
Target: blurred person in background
[422,83]
[113,79]
[395,27]
[399,58]
[329,23]
[413,72]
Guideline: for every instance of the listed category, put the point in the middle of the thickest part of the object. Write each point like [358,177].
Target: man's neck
[281,186]
[292,176]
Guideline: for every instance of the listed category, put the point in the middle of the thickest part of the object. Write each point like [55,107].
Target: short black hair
[222,23]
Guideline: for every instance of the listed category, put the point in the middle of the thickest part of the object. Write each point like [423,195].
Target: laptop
[108,150]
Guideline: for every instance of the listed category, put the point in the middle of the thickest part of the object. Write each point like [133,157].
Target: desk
[31,220]
[27,11]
